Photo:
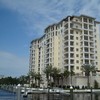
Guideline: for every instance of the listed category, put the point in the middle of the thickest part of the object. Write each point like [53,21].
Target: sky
[21,21]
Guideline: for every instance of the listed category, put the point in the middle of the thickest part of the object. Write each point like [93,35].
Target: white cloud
[40,13]
[92,8]
[11,64]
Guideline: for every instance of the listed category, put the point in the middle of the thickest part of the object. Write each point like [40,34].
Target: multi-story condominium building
[81,42]
[37,55]
[72,42]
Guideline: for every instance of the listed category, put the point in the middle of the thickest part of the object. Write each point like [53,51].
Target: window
[67,61]
[66,38]
[77,55]
[90,21]
[72,67]
[72,61]
[66,55]
[85,26]
[66,32]
[66,26]
[86,61]
[85,37]
[71,37]
[71,43]
[77,49]
[76,32]
[76,38]
[66,43]
[77,67]
[90,32]
[66,49]
[86,49]
[91,27]
[86,43]
[86,55]
[77,61]
[76,43]
[56,33]
[71,49]
[95,51]
[71,32]
[85,19]
[85,32]
[56,27]
[71,55]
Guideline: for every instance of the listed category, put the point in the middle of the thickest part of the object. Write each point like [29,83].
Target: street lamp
[48,91]
[71,93]
[91,92]
[18,91]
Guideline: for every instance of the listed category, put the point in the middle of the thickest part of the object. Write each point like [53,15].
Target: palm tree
[71,73]
[62,78]
[47,71]
[87,68]
[66,73]
[38,78]
[55,74]
[31,75]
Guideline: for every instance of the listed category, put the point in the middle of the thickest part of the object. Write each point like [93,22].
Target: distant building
[70,43]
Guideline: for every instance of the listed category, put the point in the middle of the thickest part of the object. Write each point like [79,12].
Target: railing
[23,93]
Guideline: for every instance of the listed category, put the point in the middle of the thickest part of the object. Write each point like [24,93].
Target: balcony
[91,44]
[76,27]
[76,21]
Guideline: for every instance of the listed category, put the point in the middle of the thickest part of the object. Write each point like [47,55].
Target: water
[6,95]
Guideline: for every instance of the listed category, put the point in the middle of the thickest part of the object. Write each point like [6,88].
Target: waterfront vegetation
[14,80]
[88,69]
[54,77]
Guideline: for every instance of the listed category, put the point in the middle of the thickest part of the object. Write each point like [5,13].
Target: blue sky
[24,20]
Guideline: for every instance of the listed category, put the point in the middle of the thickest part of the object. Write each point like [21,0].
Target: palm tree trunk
[88,83]
[62,82]
[71,79]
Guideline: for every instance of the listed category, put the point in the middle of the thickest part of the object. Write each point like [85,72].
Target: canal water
[6,95]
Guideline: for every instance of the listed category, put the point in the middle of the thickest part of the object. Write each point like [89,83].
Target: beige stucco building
[70,43]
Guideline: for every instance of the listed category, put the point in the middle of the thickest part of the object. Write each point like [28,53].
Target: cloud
[43,12]
[38,14]
[91,7]
[12,65]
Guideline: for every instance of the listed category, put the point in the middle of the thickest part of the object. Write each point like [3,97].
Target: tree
[47,71]
[66,73]
[56,74]
[96,85]
[87,68]
[9,80]
[38,78]
[31,75]
[23,79]
[62,78]
[71,73]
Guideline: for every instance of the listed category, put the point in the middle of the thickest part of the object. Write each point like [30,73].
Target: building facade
[70,43]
